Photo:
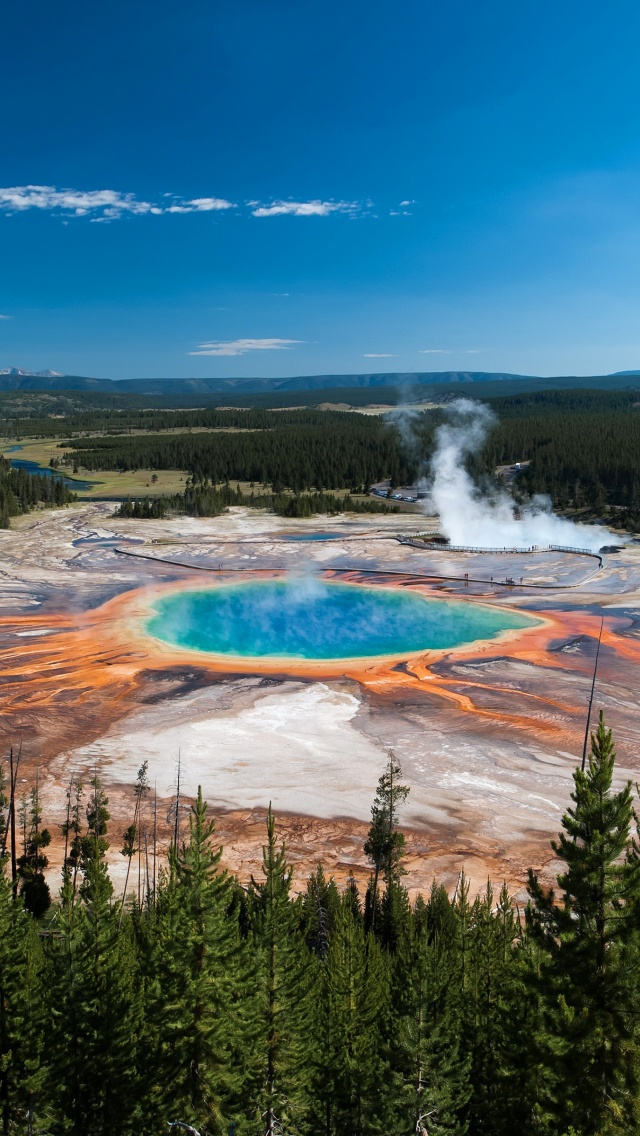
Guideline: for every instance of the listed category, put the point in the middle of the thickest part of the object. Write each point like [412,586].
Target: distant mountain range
[18,378]
[20,372]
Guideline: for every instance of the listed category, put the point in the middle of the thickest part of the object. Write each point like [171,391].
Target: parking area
[407,493]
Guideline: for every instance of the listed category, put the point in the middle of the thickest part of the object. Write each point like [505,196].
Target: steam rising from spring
[488,519]
[305,582]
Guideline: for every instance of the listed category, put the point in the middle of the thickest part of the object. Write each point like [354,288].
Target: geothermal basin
[311,619]
[126,647]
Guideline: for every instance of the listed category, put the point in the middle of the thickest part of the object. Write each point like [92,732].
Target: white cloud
[242,346]
[110,204]
[207,204]
[199,205]
[6,317]
[99,204]
[303,208]
[378,355]
[447,351]
[403,209]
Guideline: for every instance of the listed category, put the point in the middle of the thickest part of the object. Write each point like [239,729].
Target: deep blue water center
[314,536]
[312,619]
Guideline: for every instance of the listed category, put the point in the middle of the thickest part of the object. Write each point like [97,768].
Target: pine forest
[204,1004]
[579,447]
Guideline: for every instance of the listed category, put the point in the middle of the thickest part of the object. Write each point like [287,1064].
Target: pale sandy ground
[247,748]
[485,794]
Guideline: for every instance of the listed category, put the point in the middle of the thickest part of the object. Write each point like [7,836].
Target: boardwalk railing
[439,546]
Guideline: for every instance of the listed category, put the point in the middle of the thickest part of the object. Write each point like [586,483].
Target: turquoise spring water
[311,619]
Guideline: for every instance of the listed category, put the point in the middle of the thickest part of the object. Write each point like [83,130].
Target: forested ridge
[248,1009]
[21,491]
[31,412]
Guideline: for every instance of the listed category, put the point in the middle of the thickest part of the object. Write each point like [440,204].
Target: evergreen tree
[95,1002]
[351,1077]
[589,1040]
[431,1031]
[72,833]
[283,1003]
[319,911]
[22,1022]
[34,888]
[497,1021]
[200,1037]
[385,844]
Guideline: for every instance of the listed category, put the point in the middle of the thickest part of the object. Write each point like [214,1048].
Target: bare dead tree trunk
[12,811]
[66,826]
[146,863]
[76,832]
[130,836]
[155,837]
[5,833]
[126,879]
[176,819]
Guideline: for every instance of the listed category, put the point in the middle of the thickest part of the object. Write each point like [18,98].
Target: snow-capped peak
[31,374]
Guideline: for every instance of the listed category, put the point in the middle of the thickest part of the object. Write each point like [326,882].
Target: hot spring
[306,620]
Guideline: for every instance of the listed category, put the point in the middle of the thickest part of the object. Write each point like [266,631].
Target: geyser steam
[488,519]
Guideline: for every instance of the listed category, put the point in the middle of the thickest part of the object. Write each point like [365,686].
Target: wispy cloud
[242,346]
[303,208]
[378,355]
[199,205]
[111,204]
[403,209]
[6,317]
[100,204]
[451,351]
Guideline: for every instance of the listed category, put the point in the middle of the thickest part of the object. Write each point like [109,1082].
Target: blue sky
[263,187]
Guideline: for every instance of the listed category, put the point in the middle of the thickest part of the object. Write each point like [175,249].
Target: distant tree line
[246,1009]
[582,447]
[299,451]
[583,450]
[123,421]
[201,499]
[21,491]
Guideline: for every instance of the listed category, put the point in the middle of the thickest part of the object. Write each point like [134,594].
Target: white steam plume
[488,519]
[305,582]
